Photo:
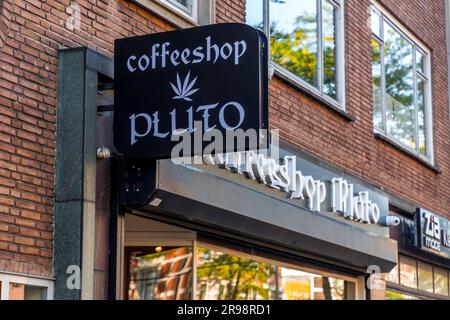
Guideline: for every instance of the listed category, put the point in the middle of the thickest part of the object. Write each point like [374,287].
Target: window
[229,275]
[408,272]
[166,262]
[159,273]
[393,276]
[14,287]
[401,86]
[182,13]
[413,278]
[187,8]
[167,273]
[441,279]
[20,291]
[425,272]
[306,42]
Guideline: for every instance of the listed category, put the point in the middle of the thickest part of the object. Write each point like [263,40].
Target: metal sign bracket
[137,181]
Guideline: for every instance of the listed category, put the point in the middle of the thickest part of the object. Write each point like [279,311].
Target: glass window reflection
[401,82]
[421,114]
[166,273]
[393,276]
[420,61]
[425,274]
[441,281]
[423,278]
[158,273]
[408,272]
[398,55]
[231,277]
[185,5]
[329,17]
[294,37]
[255,14]
[221,276]
[376,84]
[376,23]
[304,38]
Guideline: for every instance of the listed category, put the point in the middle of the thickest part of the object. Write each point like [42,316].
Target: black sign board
[434,233]
[166,82]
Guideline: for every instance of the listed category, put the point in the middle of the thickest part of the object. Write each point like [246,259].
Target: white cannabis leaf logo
[184,91]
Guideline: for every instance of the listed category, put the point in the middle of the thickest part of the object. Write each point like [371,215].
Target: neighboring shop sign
[165,82]
[434,233]
[335,195]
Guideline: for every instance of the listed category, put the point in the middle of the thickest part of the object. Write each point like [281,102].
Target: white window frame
[340,101]
[178,8]
[7,279]
[418,45]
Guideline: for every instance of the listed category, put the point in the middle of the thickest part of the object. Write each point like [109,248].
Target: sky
[284,13]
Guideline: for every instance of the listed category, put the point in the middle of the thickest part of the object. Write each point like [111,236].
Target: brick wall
[32,31]
[230,11]
[352,145]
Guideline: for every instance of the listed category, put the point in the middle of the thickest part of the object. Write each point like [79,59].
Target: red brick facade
[353,145]
[32,31]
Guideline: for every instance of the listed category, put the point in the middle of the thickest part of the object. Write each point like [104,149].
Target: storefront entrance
[164,262]
[205,232]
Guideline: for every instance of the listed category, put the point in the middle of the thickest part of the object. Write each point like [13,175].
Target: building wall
[353,145]
[312,126]
[32,31]
[230,11]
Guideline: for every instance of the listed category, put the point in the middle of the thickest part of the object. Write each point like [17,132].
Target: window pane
[329,13]
[420,61]
[299,285]
[294,37]
[408,272]
[393,275]
[157,273]
[296,285]
[441,281]
[398,53]
[255,14]
[222,276]
[326,288]
[376,83]
[376,23]
[230,277]
[35,293]
[425,277]
[421,100]
[185,5]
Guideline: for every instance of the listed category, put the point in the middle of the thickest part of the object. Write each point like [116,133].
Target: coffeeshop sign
[337,195]
[166,82]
